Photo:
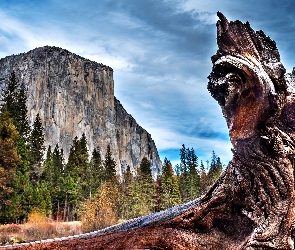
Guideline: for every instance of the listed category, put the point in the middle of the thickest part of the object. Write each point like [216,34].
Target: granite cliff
[73,96]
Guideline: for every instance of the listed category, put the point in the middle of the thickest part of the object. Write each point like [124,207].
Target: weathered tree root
[251,206]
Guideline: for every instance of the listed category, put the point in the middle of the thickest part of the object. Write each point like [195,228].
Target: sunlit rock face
[73,96]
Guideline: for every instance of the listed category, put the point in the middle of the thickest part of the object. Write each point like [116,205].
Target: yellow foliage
[35,217]
[100,212]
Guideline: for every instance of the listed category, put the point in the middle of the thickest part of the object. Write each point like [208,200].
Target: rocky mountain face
[73,96]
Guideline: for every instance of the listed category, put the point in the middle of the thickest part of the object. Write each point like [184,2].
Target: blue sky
[160,52]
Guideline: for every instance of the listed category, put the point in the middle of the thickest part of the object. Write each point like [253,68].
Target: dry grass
[38,227]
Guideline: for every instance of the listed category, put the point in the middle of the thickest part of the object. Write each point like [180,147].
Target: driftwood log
[251,206]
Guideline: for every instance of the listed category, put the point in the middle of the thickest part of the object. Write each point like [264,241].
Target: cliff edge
[74,95]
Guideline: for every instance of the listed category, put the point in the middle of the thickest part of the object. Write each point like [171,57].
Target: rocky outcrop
[73,96]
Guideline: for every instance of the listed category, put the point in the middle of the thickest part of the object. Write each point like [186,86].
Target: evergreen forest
[86,187]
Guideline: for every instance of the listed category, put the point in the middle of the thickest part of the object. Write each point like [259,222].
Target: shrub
[37,226]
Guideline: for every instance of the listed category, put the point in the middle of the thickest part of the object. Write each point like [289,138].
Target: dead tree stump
[251,206]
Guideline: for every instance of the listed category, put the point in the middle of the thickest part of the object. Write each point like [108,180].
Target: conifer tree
[28,197]
[95,172]
[10,96]
[51,173]
[145,189]
[42,199]
[184,175]
[14,102]
[194,177]
[24,198]
[22,122]
[57,191]
[21,203]
[214,170]
[19,210]
[126,197]
[23,152]
[144,171]
[127,178]
[36,150]
[9,160]
[70,188]
[177,170]
[83,169]
[58,162]
[83,145]
[203,179]
[169,187]
[78,156]
[47,174]
[74,159]
[109,166]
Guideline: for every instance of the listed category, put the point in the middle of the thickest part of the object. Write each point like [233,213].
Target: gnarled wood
[251,206]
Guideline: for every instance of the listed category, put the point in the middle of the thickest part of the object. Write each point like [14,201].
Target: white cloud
[101,56]
[3,40]
[26,36]
[167,139]
[122,19]
[208,18]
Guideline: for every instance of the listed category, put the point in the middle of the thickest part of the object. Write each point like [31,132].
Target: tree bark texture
[251,206]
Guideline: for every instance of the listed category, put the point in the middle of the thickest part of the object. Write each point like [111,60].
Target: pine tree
[78,156]
[126,196]
[203,179]
[9,160]
[51,174]
[74,159]
[127,178]
[57,191]
[169,187]
[144,170]
[14,102]
[95,172]
[109,166]
[214,170]
[36,150]
[28,197]
[177,170]
[23,152]
[146,190]
[194,177]
[58,162]
[18,208]
[22,200]
[83,169]
[70,189]
[22,117]
[184,175]
[47,174]
[77,179]
[10,96]
[83,144]
[43,199]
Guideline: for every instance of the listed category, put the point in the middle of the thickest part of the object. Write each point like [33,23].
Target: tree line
[86,187]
